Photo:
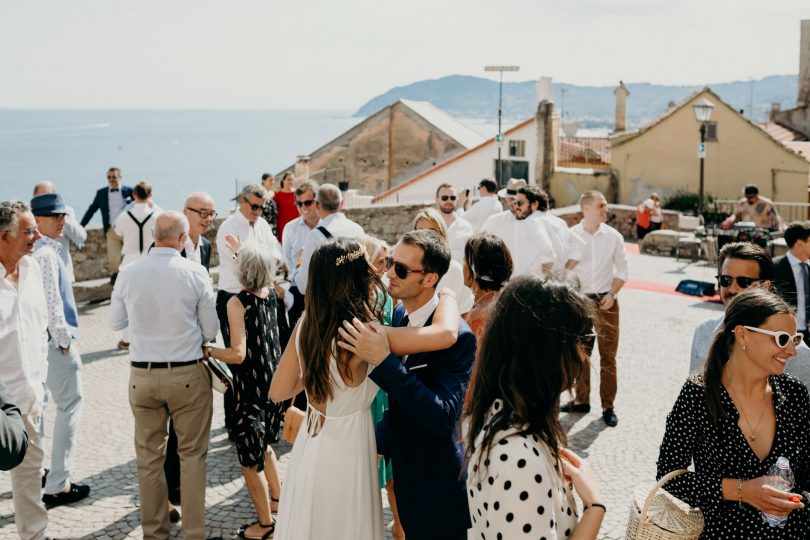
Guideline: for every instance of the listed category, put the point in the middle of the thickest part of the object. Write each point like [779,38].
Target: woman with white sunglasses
[736,418]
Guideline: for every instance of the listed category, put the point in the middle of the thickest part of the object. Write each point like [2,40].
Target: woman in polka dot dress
[736,418]
[518,469]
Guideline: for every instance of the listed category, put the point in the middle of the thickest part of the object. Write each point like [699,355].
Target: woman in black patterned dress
[253,358]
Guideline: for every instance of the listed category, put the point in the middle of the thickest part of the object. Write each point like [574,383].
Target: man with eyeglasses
[602,273]
[293,238]
[742,265]
[23,351]
[426,394]
[73,231]
[111,200]
[200,211]
[332,224]
[756,209]
[531,247]
[64,378]
[458,228]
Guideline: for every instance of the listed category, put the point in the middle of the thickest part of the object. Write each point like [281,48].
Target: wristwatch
[210,351]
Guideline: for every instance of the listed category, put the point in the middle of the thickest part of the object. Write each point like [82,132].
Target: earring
[743,348]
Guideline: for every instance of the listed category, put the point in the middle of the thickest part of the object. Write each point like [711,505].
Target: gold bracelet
[739,492]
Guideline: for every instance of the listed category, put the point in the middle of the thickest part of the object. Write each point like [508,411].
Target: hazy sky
[340,53]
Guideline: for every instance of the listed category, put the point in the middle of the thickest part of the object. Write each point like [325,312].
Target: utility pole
[499,137]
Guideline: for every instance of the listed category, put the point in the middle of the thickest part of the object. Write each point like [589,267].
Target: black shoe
[610,417]
[77,492]
[174,515]
[45,477]
[572,407]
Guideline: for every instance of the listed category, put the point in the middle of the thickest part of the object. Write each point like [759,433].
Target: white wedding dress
[331,490]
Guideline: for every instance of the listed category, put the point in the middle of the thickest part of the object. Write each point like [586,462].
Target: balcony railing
[584,152]
[788,211]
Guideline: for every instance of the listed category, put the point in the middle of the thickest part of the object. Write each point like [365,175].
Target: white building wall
[466,171]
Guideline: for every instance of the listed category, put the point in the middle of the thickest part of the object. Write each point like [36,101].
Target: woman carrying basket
[736,419]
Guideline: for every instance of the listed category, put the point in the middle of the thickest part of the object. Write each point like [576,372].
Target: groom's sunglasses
[400,269]
[742,281]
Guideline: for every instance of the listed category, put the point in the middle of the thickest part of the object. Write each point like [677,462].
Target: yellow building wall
[664,159]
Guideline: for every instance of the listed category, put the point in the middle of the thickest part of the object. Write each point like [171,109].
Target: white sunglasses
[782,339]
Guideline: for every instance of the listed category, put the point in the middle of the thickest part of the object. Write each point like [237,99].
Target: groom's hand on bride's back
[367,340]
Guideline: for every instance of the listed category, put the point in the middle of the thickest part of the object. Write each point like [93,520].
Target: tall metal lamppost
[703,113]
[499,138]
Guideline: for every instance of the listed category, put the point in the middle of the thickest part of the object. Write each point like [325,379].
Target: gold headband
[361,252]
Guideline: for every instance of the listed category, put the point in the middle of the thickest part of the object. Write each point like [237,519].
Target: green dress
[380,403]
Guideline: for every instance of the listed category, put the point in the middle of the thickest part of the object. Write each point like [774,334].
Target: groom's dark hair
[435,251]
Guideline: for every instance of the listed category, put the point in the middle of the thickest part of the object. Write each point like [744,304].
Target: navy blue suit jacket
[101,202]
[418,434]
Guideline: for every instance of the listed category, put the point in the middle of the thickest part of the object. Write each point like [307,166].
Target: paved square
[656,331]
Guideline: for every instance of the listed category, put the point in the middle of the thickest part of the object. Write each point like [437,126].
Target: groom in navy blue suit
[426,393]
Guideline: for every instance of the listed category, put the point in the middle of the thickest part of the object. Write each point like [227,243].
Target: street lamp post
[703,113]
[500,70]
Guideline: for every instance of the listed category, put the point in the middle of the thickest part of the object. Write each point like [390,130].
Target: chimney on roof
[621,93]
[776,108]
[803,99]
[301,168]
[544,89]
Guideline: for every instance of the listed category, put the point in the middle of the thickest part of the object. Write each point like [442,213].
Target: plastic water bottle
[780,477]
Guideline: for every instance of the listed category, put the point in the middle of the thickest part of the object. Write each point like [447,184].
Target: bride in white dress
[331,487]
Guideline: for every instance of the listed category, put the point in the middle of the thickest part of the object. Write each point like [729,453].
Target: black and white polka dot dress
[722,451]
[516,492]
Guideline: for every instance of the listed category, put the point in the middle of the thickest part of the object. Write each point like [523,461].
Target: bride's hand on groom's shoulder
[368,341]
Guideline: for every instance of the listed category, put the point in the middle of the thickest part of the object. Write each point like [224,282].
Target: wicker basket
[657,515]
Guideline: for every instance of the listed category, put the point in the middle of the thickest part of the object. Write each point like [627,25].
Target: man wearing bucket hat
[510,192]
[63,380]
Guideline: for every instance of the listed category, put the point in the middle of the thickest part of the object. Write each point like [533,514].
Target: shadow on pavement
[582,439]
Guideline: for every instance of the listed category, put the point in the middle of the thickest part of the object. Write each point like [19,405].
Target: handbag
[221,379]
[658,515]
[293,418]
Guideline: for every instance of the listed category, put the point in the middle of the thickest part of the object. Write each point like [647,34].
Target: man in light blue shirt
[73,232]
[742,265]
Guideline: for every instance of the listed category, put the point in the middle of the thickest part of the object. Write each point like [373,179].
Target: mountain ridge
[467,96]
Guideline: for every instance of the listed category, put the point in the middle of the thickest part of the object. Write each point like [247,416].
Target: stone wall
[388,222]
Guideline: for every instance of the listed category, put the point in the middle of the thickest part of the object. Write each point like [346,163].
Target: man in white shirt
[533,251]
[503,224]
[200,211]
[134,225]
[168,303]
[23,349]
[294,237]
[333,224]
[487,205]
[458,228]
[64,380]
[567,245]
[73,232]
[602,273]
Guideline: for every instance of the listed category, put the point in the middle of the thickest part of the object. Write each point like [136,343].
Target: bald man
[73,232]
[168,303]
[200,210]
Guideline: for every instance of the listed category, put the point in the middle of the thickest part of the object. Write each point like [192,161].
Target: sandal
[265,536]
[273,504]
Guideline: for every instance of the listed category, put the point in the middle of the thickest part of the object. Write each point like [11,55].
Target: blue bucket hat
[48,204]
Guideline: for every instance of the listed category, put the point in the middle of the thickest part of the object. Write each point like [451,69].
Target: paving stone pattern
[653,356]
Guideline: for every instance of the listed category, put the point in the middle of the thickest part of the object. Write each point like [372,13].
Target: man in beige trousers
[168,303]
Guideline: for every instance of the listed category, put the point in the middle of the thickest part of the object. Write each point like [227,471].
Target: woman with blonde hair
[429,218]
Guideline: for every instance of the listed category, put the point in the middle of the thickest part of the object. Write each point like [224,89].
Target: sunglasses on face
[111,178]
[254,207]
[446,197]
[519,203]
[58,217]
[742,281]
[400,269]
[782,339]
[308,203]
[205,214]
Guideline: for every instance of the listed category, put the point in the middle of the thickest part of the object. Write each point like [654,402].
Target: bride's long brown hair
[340,286]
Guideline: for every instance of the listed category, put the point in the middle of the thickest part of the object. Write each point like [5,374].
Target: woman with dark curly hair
[518,467]
[487,268]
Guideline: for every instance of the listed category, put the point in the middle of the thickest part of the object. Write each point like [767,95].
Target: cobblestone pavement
[656,331]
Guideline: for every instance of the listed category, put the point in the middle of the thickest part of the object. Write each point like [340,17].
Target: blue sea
[178,151]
